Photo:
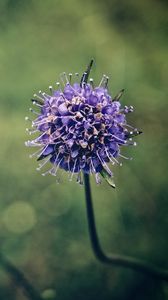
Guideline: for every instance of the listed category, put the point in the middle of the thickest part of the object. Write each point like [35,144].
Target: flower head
[81,128]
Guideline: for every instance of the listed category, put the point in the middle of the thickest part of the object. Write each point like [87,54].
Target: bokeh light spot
[19,217]
[49,294]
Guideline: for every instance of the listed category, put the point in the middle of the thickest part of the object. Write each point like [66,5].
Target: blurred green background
[43,226]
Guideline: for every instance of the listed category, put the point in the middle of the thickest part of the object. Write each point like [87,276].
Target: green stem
[19,279]
[115,259]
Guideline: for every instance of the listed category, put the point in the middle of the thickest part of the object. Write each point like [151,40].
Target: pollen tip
[27,143]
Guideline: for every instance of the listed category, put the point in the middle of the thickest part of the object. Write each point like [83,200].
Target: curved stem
[115,259]
[19,279]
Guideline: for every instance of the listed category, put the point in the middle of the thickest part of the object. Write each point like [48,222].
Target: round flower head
[81,128]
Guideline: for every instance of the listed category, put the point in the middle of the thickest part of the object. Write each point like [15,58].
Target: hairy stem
[19,279]
[115,259]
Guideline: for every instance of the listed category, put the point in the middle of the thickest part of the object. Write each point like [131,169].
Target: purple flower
[81,128]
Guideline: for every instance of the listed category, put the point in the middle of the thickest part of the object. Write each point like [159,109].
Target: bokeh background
[43,226]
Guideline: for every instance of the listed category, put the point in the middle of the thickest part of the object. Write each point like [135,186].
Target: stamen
[51,89]
[104,164]
[28,119]
[63,96]
[130,143]
[66,78]
[77,76]
[76,92]
[55,137]
[43,164]
[39,137]
[98,179]
[109,157]
[69,170]
[37,96]
[46,96]
[127,125]
[41,122]
[102,80]
[118,96]
[86,74]
[120,164]
[35,102]
[106,82]
[43,149]
[58,86]
[35,153]
[50,171]
[54,170]
[72,174]
[70,77]
[117,138]
[79,178]
[128,158]
[33,144]
[62,77]
[91,82]
[34,112]
[45,173]
[112,158]
[30,131]
[92,165]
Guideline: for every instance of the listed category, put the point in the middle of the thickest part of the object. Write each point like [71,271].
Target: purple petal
[109,110]
[48,150]
[68,92]
[74,153]
[93,100]
[62,109]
